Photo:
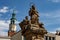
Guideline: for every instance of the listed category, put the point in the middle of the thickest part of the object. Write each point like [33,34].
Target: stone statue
[32,29]
[33,14]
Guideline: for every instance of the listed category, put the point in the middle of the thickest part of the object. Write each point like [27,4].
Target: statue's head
[26,17]
[33,7]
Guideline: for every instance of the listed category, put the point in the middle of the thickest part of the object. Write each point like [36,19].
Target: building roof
[5,37]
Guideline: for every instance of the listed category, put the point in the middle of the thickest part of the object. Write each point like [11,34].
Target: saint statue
[33,14]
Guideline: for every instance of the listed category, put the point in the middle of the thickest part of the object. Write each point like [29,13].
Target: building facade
[5,38]
[17,36]
[51,36]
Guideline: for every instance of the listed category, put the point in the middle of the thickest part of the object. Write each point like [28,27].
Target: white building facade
[5,38]
[51,36]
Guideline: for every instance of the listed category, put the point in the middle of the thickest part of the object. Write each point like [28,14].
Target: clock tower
[31,28]
[12,25]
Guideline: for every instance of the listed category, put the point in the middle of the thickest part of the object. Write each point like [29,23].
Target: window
[53,38]
[46,37]
[49,38]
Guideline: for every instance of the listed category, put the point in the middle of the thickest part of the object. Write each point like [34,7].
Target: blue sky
[49,12]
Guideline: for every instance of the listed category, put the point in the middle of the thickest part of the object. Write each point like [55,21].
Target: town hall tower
[12,25]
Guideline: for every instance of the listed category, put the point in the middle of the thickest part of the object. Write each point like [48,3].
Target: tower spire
[13,17]
[12,25]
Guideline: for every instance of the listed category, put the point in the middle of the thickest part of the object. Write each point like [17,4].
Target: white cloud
[52,32]
[53,14]
[17,22]
[54,0]
[4,9]
[51,20]
[3,34]
[4,25]
[56,29]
